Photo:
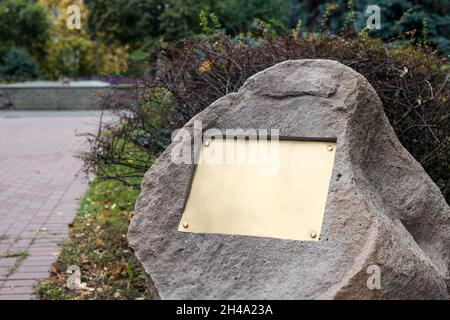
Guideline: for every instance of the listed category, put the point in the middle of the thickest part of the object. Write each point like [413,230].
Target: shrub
[18,65]
[412,82]
[425,20]
[124,148]
[24,24]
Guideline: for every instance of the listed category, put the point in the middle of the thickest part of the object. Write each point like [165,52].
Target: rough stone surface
[382,207]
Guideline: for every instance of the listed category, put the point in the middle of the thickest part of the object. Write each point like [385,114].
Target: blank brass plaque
[287,202]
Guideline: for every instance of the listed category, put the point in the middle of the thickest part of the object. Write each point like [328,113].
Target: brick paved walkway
[40,182]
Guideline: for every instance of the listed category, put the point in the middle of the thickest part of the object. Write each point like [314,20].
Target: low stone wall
[53,97]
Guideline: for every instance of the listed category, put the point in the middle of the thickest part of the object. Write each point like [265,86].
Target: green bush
[417,20]
[412,82]
[24,24]
[18,65]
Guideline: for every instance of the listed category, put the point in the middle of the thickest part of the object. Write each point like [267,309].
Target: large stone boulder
[382,208]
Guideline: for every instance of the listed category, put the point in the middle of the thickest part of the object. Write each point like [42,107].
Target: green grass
[98,245]
[21,256]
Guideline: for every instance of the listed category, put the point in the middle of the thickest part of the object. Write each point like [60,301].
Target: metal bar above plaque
[270,188]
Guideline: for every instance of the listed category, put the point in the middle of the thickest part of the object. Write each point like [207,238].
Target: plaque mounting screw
[330,148]
[313,235]
[206,143]
[185,225]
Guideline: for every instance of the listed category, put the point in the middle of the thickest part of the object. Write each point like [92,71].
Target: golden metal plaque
[274,188]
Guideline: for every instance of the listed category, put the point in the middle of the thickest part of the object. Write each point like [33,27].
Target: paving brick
[37,263]
[4,273]
[16,297]
[39,188]
[7,262]
[4,249]
[17,283]
[12,290]
[29,275]
[33,268]
[40,258]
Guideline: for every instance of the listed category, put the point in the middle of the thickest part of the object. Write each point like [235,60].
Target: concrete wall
[50,98]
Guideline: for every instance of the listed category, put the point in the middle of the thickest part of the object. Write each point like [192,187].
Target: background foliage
[18,65]
[412,82]
[222,44]
[24,29]
[117,36]
[400,19]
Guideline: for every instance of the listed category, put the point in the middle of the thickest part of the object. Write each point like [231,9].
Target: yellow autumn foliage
[72,53]
[205,66]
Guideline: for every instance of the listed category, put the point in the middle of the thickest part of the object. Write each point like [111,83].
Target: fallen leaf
[53,269]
